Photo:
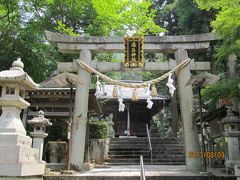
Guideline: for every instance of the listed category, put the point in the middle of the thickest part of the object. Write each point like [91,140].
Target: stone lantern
[231,132]
[17,156]
[39,123]
[14,82]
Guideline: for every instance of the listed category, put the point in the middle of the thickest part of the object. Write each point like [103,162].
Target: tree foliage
[191,20]
[21,35]
[108,17]
[58,130]
[98,129]
[166,15]
[9,16]
[226,24]
[66,16]
[125,17]
[181,17]
[224,89]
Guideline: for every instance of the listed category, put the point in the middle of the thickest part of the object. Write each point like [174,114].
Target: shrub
[98,129]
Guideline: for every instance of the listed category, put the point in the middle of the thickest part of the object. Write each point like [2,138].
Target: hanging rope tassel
[154,91]
[121,106]
[135,96]
[149,97]
[150,103]
[170,84]
[115,93]
[98,89]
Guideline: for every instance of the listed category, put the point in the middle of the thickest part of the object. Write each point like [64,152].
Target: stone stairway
[128,150]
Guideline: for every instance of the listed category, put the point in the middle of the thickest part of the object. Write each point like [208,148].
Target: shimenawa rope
[133,85]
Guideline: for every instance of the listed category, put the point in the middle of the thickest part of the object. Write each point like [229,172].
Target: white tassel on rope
[98,89]
[121,106]
[149,98]
[170,84]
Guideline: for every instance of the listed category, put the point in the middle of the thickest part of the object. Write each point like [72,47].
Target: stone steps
[148,162]
[129,150]
[146,159]
[163,146]
[144,139]
[147,155]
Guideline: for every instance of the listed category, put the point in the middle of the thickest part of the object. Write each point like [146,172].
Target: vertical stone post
[191,142]
[232,65]
[38,142]
[211,149]
[232,68]
[80,113]
[174,111]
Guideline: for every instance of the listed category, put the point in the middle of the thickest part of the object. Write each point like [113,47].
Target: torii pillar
[80,113]
[185,93]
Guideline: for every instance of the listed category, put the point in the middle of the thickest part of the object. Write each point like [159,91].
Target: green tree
[191,20]
[9,16]
[108,17]
[66,16]
[39,58]
[226,24]
[182,17]
[98,129]
[224,89]
[21,35]
[125,17]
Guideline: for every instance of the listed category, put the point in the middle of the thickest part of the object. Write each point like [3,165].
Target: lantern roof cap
[40,120]
[18,63]
[16,74]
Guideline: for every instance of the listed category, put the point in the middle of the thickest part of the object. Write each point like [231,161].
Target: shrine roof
[49,83]
[50,86]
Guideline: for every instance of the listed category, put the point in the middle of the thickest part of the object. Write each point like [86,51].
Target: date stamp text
[207,154]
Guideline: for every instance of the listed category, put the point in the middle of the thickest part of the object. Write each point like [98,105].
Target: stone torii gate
[179,45]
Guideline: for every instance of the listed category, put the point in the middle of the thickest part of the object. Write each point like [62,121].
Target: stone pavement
[134,170]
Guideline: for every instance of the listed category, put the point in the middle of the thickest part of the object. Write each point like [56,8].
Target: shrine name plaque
[134,56]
